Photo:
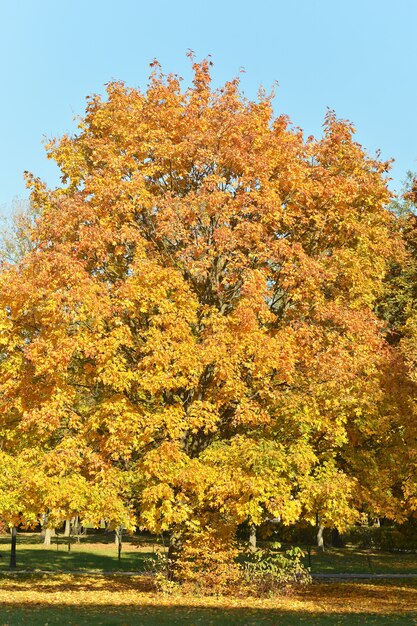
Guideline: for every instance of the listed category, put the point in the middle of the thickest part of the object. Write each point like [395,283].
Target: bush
[205,564]
[273,571]
[159,567]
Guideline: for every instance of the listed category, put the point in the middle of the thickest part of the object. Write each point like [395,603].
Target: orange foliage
[192,337]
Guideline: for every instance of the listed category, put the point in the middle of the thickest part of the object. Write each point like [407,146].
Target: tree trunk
[49,533]
[77,527]
[67,530]
[118,539]
[320,538]
[252,537]
[13,547]
[174,550]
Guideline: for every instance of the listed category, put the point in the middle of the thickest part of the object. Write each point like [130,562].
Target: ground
[125,600]
[89,597]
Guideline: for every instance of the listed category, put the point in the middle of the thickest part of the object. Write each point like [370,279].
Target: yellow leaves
[118,427]
[45,417]
[166,459]
[194,329]
[132,596]
[6,328]
[329,493]
[202,415]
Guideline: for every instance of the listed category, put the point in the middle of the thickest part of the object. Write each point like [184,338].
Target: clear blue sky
[356,56]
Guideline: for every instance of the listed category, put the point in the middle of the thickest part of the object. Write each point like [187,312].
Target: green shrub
[272,571]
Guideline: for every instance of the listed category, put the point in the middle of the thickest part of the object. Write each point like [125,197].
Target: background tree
[398,308]
[16,232]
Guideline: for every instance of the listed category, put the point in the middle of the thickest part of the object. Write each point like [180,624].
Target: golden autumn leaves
[191,342]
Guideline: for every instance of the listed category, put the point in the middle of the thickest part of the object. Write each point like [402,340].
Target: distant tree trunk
[174,549]
[252,537]
[13,547]
[118,539]
[49,533]
[320,538]
[67,530]
[77,527]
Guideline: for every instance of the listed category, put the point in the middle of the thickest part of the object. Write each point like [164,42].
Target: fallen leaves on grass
[65,589]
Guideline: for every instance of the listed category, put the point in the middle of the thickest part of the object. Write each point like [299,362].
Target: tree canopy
[192,341]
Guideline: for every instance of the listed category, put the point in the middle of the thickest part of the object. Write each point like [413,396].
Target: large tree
[195,324]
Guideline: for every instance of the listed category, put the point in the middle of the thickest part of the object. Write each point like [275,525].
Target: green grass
[167,616]
[92,553]
[98,552]
[350,560]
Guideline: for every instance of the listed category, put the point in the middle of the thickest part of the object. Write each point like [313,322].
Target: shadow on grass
[104,537]
[77,560]
[111,615]
[349,560]
[41,599]
[97,551]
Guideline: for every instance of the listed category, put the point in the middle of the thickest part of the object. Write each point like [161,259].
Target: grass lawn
[82,600]
[349,560]
[39,616]
[98,552]
[92,553]
[59,598]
